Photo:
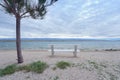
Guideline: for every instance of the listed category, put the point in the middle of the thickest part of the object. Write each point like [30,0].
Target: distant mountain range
[57,39]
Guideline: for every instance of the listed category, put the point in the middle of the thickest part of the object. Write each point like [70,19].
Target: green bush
[26,67]
[0,72]
[37,67]
[63,65]
[8,70]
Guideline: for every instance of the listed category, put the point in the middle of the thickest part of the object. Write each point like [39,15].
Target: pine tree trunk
[18,40]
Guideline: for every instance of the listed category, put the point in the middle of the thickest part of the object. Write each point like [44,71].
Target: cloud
[68,18]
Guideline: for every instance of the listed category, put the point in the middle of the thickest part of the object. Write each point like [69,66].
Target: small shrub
[103,65]
[8,70]
[94,64]
[0,72]
[38,67]
[63,65]
[26,67]
[83,66]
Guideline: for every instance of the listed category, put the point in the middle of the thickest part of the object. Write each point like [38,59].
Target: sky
[69,19]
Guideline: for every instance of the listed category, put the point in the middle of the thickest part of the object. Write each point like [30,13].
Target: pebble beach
[81,70]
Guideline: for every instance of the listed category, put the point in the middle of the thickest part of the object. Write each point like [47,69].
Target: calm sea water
[61,44]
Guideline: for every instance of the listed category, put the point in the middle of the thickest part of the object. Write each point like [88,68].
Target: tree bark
[18,40]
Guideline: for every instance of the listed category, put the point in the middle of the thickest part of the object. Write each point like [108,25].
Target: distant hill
[59,39]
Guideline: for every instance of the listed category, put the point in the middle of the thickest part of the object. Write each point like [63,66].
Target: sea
[61,43]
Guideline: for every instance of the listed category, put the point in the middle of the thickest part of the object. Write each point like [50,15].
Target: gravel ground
[83,69]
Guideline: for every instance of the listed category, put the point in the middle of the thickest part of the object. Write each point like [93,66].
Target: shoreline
[82,50]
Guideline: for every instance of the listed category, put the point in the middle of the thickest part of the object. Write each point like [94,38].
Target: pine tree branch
[13,11]
[52,1]
[25,16]
[2,5]
[24,13]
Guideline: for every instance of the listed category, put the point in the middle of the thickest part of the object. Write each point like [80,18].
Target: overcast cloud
[68,18]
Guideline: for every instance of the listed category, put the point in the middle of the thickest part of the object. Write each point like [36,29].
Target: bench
[74,51]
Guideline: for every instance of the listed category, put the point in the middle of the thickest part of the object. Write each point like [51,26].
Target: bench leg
[75,51]
[52,50]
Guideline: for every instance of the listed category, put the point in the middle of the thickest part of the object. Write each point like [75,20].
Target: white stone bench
[74,50]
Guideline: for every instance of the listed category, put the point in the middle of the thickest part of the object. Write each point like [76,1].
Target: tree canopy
[27,8]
